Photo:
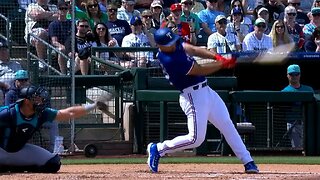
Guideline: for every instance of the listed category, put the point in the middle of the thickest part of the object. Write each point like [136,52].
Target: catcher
[20,120]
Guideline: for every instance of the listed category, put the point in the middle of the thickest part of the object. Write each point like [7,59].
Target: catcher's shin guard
[52,166]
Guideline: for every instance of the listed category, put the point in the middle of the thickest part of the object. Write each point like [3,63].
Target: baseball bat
[102,100]
[278,55]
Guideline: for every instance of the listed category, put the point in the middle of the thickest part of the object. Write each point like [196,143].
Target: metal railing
[8,29]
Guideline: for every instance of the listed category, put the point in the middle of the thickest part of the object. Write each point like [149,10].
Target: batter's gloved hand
[227,63]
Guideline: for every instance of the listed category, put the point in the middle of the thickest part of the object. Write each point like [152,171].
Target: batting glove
[227,63]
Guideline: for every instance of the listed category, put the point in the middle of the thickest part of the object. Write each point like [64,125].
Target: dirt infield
[174,171]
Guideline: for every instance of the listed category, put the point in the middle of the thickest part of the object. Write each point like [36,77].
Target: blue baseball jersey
[16,130]
[176,66]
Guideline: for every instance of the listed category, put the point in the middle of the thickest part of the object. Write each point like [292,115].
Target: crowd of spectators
[227,26]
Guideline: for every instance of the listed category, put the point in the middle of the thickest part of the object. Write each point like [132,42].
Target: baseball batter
[198,101]
[19,121]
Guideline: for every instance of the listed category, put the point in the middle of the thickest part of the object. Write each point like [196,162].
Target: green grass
[201,159]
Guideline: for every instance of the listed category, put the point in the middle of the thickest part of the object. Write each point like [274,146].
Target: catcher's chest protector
[15,130]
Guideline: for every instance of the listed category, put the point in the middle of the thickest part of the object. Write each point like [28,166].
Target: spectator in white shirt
[236,25]
[127,11]
[38,17]
[140,37]
[222,41]
[257,40]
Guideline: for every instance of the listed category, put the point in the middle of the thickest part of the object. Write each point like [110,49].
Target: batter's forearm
[197,51]
[205,69]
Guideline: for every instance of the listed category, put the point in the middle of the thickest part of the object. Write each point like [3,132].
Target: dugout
[268,111]
[273,77]
[159,117]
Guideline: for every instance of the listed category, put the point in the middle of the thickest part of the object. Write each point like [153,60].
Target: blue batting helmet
[165,37]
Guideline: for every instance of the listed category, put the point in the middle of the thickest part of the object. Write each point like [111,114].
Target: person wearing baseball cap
[222,41]
[257,40]
[156,3]
[315,22]
[140,37]
[157,14]
[294,123]
[301,17]
[21,79]
[22,119]
[183,29]
[185,74]
[264,14]
[237,24]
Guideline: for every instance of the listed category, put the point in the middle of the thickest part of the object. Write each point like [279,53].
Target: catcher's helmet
[38,96]
[165,37]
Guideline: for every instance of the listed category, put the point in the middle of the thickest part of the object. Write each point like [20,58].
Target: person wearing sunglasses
[82,46]
[59,31]
[208,16]
[294,29]
[222,41]
[301,17]
[104,39]
[127,11]
[263,13]
[118,28]
[295,117]
[279,34]
[257,40]
[94,14]
[315,22]
[147,20]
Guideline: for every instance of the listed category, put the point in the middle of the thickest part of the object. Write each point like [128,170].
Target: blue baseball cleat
[251,168]
[154,157]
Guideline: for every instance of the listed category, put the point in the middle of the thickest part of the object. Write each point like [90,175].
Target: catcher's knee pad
[52,166]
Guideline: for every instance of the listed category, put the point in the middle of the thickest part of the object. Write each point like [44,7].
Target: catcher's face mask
[40,100]
[38,96]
